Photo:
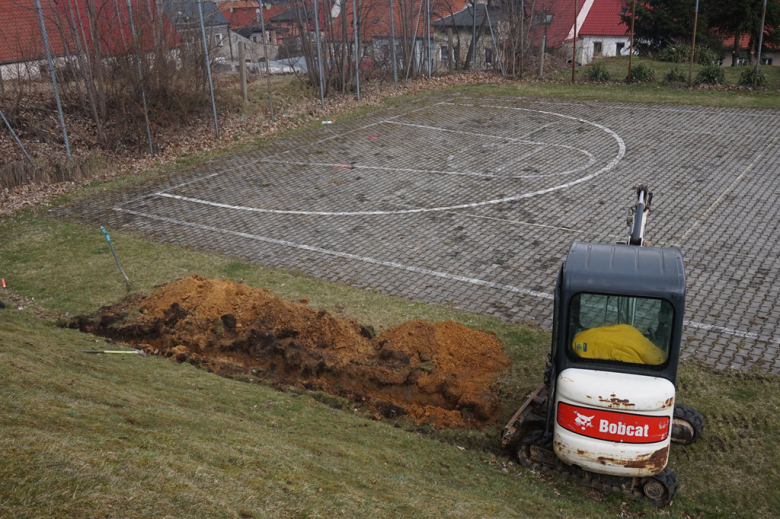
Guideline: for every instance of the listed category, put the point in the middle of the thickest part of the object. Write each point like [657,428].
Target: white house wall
[608,47]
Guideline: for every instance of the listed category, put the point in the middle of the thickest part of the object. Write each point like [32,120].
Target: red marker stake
[3,282]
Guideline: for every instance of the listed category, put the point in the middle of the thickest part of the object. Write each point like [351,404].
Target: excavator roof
[625,270]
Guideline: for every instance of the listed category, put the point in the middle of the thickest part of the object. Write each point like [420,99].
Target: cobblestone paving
[472,202]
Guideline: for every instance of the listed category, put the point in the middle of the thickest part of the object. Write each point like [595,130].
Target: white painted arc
[612,163]
[418,270]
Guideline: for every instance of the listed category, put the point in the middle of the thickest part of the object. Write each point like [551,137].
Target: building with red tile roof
[68,30]
[602,30]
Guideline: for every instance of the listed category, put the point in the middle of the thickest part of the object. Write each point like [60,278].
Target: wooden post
[760,44]
[693,43]
[541,55]
[449,54]
[242,70]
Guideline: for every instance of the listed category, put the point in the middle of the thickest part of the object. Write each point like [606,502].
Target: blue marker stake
[111,245]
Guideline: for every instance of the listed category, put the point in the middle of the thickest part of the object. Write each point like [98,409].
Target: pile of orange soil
[434,372]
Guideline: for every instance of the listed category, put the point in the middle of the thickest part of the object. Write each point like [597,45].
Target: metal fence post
[357,49]
[208,66]
[474,35]
[319,53]
[140,79]
[414,45]
[495,47]
[631,45]
[267,65]
[428,33]
[16,138]
[242,71]
[392,46]
[53,78]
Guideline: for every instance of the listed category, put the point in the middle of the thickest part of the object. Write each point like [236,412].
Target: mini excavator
[606,414]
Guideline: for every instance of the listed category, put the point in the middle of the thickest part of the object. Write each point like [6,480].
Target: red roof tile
[241,17]
[21,38]
[604,19]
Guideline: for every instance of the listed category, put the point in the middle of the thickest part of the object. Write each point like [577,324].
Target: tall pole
[140,78]
[760,44]
[693,43]
[631,45]
[495,46]
[8,125]
[53,78]
[357,50]
[208,66]
[522,36]
[428,33]
[474,36]
[574,43]
[392,46]
[319,53]
[267,65]
[414,47]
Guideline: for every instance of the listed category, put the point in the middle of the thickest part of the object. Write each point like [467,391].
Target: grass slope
[123,436]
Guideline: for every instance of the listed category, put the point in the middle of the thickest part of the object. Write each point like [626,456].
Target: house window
[596,48]
[542,18]
[489,56]
[444,53]
[255,38]
[619,48]
[218,38]
[766,61]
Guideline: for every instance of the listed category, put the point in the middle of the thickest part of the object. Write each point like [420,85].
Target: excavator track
[536,452]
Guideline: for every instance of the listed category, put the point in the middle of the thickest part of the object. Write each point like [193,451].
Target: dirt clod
[432,372]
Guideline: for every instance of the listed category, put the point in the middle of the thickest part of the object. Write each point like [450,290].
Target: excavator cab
[606,414]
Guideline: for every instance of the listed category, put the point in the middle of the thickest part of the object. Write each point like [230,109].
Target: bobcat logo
[583,421]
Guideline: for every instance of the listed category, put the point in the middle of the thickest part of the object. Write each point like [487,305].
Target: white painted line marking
[591,161]
[345,255]
[419,270]
[728,189]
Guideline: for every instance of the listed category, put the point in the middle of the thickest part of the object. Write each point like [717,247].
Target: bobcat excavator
[606,413]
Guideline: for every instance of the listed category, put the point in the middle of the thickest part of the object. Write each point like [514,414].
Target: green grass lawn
[126,436]
[658,91]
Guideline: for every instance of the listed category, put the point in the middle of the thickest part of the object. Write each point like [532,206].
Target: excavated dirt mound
[435,372]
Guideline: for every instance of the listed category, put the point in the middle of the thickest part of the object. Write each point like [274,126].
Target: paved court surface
[472,202]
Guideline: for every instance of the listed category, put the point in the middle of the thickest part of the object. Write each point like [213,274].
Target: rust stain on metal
[614,401]
[655,461]
[669,402]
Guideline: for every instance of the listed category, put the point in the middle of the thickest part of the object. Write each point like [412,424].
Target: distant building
[600,31]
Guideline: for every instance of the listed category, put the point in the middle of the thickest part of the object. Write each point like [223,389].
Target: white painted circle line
[612,163]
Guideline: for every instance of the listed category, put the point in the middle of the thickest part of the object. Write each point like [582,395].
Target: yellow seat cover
[620,342]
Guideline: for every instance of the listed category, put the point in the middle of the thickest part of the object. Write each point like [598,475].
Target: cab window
[631,330]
